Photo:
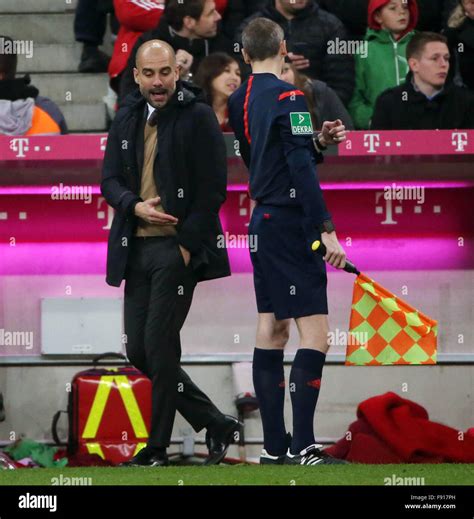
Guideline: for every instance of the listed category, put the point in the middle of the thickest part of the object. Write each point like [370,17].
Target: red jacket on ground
[391,429]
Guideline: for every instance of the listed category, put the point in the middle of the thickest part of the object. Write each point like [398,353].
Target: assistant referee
[273,125]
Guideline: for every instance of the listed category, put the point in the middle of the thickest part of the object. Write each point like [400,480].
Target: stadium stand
[53,67]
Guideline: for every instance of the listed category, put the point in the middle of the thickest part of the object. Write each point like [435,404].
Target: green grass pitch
[356,474]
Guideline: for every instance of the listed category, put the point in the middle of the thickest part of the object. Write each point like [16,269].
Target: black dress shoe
[218,442]
[147,457]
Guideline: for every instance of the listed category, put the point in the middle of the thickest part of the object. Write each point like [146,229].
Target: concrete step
[40,28]
[45,29]
[85,117]
[72,88]
[51,58]
[37,6]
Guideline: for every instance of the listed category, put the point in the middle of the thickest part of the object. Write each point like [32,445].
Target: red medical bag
[109,411]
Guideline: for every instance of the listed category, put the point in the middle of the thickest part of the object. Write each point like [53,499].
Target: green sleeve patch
[301,123]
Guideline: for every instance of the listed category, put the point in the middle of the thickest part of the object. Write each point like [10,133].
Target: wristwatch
[319,147]
[327,226]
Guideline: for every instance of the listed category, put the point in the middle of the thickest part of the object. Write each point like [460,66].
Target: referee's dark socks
[269,384]
[305,381]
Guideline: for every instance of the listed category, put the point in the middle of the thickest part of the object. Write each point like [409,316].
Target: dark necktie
[153,119]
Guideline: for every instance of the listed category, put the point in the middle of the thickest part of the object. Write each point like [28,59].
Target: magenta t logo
[19,146]
[372,141]
[459,141]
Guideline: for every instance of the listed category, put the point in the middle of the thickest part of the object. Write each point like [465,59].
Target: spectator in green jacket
[383,64]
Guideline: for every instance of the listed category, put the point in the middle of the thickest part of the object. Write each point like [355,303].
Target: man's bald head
[155,49]
[156,72]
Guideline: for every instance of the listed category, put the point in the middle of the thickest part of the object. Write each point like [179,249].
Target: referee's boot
[313,455]
[269,459]
[220,436]
[148,457]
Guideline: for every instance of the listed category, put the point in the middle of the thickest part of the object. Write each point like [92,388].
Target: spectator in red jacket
[192,29]
[135,17]
[219,77]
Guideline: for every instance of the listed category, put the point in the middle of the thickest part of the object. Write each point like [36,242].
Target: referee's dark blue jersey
[271,121]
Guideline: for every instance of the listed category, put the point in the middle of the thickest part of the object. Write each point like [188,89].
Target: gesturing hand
[147,211]
[184,60]
[332,132]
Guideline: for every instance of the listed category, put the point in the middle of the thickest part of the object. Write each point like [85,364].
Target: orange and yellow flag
[384,330]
